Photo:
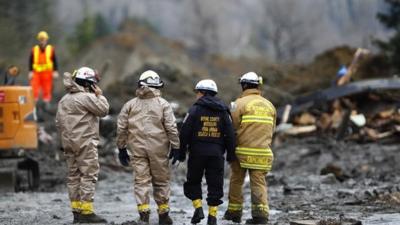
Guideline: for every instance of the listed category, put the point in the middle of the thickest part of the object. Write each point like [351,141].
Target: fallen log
[305,118]
[375,135]
[300,130]
[304,222]
[302,104]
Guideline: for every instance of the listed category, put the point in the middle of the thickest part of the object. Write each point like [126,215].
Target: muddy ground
[360,183]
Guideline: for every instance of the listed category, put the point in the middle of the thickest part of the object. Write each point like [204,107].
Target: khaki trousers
[83,170]
[152,169]
[258,185]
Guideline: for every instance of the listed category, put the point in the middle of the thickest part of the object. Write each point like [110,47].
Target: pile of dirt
[136,48]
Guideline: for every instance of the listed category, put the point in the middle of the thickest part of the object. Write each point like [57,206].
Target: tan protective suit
[254,119]
[77,120]
[146,126]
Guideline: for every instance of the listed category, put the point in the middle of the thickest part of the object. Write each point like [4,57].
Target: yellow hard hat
[42,35]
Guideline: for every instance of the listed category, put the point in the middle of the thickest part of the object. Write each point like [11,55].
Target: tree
[20,21]
[202,28]
[391,20]
[87,31]
[286,29]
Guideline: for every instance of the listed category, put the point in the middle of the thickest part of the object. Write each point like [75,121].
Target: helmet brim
[245,81]
[143,83]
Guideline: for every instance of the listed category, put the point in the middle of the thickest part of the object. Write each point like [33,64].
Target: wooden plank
[300,130]
[303,222]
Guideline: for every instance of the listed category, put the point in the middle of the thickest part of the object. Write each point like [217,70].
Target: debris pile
[360,111]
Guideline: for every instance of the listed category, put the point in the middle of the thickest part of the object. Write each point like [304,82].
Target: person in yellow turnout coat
[254,119]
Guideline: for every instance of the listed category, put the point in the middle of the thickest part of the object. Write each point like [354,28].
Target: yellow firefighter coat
[254,119]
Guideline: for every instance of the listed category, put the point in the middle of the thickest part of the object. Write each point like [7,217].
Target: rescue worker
[207,132]
[43,68]
[147,128]
[254,119]
[10,75]
[340,73]
[77,120]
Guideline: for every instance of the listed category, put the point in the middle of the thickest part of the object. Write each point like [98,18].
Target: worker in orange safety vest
[43,68]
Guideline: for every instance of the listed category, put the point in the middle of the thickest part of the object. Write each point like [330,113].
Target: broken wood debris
[372,114]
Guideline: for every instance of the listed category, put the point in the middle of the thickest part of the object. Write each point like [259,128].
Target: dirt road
[363,186]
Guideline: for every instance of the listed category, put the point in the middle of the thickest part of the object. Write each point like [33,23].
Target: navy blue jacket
[207,129]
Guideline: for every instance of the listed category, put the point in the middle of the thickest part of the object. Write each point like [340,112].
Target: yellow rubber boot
[212,215]
[198,214]
[163,208]
[144,213]
[163,215]
[76,210]
[76,206]
[87,208]
[88,215]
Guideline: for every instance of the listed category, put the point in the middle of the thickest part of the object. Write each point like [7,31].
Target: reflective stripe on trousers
[235,207]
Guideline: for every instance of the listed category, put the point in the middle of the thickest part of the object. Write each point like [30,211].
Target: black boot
[257,220]
[77,217]
[212,220]
[234,216]
[198,215]
[91,218]
[164,219]
[144,217]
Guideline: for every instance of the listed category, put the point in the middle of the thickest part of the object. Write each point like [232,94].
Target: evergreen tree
[20,21]
[391,20]
[87,31]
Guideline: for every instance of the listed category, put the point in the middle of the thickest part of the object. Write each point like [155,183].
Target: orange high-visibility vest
[42,60]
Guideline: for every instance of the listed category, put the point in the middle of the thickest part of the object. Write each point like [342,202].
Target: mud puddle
[382,219]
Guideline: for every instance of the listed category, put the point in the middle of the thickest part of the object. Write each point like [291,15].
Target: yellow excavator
[18,138]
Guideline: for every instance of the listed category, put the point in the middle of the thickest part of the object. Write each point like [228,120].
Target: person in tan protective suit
[77,120]
[146,126]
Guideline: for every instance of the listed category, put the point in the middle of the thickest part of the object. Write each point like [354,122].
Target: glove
[230,157]
[182,155]
[123,157]
[174,154]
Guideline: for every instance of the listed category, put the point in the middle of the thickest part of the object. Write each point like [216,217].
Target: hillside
[288,30]
[135,48]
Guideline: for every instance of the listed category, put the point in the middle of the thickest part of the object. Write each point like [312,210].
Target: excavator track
[19,174]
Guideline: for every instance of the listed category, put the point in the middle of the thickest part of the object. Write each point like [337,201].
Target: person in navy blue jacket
[207,133]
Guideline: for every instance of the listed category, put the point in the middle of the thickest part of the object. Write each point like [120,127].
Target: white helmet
[250,78]
[207,85]
[151,79]
[85,74]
